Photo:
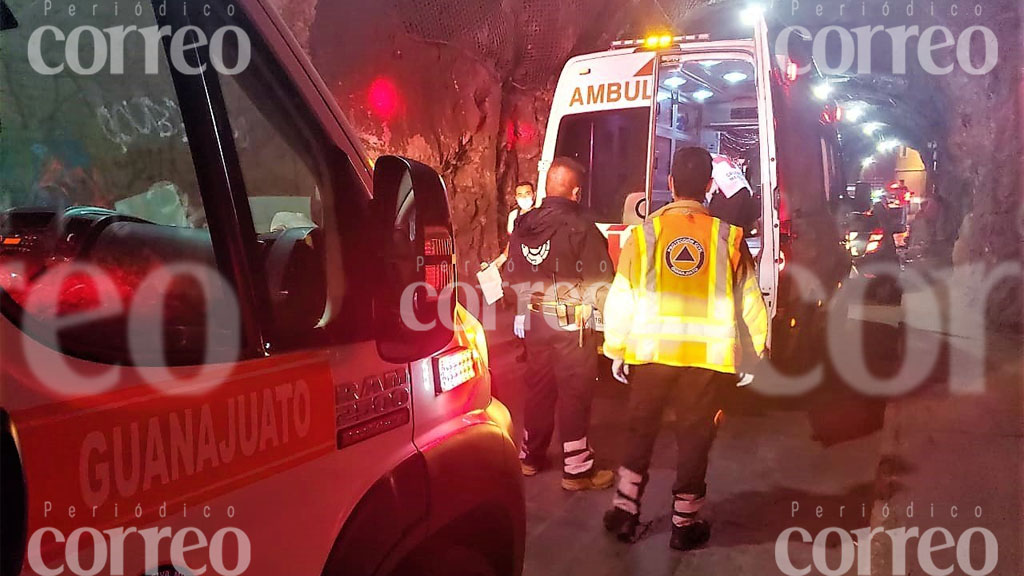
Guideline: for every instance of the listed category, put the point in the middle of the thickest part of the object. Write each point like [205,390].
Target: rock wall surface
[465,86]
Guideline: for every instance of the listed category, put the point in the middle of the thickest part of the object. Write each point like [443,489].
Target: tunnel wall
[466,85]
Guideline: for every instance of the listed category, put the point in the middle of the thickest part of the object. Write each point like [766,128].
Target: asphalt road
[774,463]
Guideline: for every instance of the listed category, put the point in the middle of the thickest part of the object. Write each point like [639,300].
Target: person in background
[731,198]
[684,297]
[526,198]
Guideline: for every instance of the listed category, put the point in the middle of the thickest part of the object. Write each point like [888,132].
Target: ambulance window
[99,195]
[612,145]
[305,201]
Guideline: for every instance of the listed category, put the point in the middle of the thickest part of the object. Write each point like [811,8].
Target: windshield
[612,145]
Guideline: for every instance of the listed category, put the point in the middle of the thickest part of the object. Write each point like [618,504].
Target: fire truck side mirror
[411,229]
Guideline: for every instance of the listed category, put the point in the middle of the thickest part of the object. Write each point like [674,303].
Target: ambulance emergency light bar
[663,41]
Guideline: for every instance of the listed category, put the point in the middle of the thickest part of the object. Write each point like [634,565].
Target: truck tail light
[453,369]
[438,254]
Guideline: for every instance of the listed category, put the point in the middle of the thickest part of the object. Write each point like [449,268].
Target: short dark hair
[570,163]
[691,172]
[557,184]
[525,183]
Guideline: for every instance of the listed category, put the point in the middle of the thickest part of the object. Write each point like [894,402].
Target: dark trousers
[693,393]
[560,378]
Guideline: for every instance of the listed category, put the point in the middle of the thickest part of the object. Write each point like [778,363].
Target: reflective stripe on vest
[686,313]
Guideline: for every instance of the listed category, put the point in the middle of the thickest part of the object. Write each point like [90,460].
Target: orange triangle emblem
[647,70]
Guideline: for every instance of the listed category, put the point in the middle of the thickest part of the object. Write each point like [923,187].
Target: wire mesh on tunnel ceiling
[484,28]
[528,40]
[676,10]
[550,30]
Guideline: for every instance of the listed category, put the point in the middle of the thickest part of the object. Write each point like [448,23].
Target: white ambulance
[225,345]
[623,113]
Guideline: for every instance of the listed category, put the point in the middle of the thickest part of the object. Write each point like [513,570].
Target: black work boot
[690,536]
[621,523]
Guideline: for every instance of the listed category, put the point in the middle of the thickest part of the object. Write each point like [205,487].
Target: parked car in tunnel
[225,341]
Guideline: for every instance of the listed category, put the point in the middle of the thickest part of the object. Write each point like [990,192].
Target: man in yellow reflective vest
[684,303]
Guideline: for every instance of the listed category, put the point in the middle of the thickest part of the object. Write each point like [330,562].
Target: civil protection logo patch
[684,256]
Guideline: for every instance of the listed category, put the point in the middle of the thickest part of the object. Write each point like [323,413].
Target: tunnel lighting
[702,95]
[710,63]
[792,71]
[752,14]
[822,91]
[734,77]
[674,81]
[855,112]
[887,145]
[870,128]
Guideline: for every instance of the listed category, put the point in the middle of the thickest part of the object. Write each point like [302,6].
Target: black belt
[552,309]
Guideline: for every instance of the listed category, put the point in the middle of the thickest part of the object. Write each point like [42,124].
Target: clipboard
[490,283]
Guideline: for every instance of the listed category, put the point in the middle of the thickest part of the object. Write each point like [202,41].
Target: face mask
[524,203]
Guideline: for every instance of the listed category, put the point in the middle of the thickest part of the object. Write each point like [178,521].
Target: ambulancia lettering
[611,92]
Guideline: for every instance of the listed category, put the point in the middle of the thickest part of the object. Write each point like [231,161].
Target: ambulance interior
[707,103]
[700,102]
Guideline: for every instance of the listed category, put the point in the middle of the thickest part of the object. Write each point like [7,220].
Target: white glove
[519,326]
[620,371]
[745,379]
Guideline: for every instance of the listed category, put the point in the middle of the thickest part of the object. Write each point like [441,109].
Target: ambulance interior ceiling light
[734,77]
[674,81]
[663,95]
[710,63]
[702,94]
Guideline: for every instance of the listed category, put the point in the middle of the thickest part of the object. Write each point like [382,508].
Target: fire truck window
[303,196]
[612,146]
[98,176]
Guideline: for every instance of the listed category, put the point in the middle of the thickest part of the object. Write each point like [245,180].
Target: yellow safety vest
[684,284]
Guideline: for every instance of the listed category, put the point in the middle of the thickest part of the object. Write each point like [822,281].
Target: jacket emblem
[536,255]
